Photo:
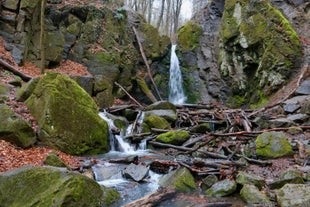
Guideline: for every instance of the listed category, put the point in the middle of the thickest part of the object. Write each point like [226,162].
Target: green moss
[67,116]
[40,186]
[153,121]
[188,36]
[144,87]
[54,160]
[173,137]
[110,196]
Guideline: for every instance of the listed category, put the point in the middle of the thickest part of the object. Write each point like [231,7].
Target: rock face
[40,186]
[273,145]
[259,49]
[15,129]
[67,116]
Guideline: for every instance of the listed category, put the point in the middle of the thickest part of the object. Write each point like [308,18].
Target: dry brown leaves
[12,157]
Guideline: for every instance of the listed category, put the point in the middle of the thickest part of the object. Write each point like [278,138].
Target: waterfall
[176,93]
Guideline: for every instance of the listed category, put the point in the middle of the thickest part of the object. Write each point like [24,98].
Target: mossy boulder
[181,179]
[27,89]
[53,159]
[273,145]
[15,129]
[153,121]
[246,178]
[251,195]
[67,116]
[289,176]
[297,195]
[161,105]
[222,188]
[46,186]
[188,36]
[259,49]
[173,137]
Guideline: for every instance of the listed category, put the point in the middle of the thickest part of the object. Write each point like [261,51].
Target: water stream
[176,93]
[110,174]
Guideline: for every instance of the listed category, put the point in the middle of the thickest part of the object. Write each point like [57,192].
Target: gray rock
[167,114]
[107,171]
[290,108]
[251,195]
[208,181]
[136,172]
[280,122]
[298,118]
[222,188]
[245,178]
[297,195]
[297,100]
[86,82]
[304,88]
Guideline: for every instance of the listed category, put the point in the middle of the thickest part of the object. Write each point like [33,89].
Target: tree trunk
[42,49]
[160,18]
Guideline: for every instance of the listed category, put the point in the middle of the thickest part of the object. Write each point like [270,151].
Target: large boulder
[259,50]
[273,145]
[67,116]
[46,186]
[15,129]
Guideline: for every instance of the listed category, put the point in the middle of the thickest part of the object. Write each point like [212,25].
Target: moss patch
[173,137]
[188,35]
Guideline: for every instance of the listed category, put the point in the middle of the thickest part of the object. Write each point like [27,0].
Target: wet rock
[290,176]
[296,195]
[208,181]
[222,188]
[173,137]
[15,129]
[304,88]
[47,186]
[54,160]
[245,178]
[272,145]
[251,195]
[136,172]
[107,171]
[181,179]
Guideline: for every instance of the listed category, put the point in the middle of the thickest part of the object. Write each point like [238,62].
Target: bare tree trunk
[150,8]
[167,18]
[160,18]
[42,49]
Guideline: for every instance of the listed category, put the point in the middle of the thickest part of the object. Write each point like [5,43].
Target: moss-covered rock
[27,89]
[246,178]
[181,179]
[173,137]
[289,176]
[67,116]
[53,159]
[297,195]
[188,36]
[251,195]
[153,121]
[161,105]
[259,49]
[15,129]
[273,145]
[222,188]
[42,186]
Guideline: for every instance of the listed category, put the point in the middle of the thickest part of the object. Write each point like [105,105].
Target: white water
[176,93]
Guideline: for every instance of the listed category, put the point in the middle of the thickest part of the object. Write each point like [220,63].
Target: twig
[132,98]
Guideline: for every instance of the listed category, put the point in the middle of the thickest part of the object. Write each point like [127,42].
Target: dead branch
[14,70]
[153,199]
[158,144]
[145,61]
[132,98]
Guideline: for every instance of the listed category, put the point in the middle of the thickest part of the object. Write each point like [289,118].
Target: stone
[208,181]
[201,128]
[289,176]
[279,122]
[15,129]
[53,159]
[305,108]
[161,105]
[168,114]
[222,188]
[297,100]
[251,195]
[304,88]
[246,178]
[297,195]
[48,186]
[86,82]
[298,118]
[173,137]
[181,179]
[153,121]
[290,108]
[273,145]
[67,116]
[135,172]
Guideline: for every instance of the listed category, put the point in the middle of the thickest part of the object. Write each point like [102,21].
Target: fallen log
[153,199]
[14,70]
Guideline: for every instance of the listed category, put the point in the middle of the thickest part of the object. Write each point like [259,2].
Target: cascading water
[176,93]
